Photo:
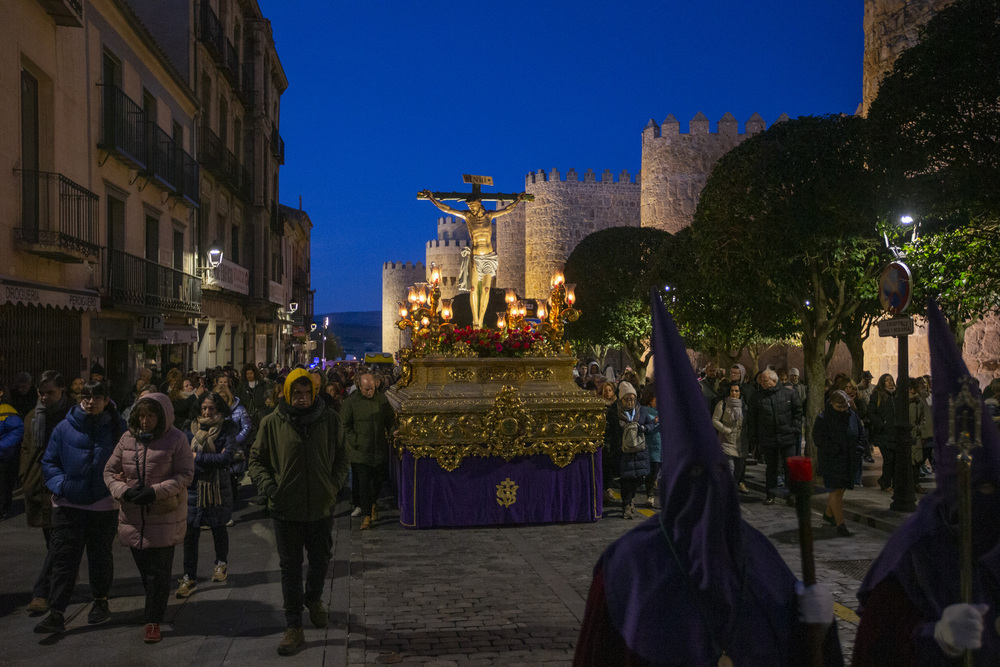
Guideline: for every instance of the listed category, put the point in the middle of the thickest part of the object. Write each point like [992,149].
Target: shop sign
[227,275]
[33,295]
[149,326]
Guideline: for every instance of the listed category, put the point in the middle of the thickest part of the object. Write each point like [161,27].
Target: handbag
[633,440]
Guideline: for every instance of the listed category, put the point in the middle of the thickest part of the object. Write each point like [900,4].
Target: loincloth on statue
[486,265]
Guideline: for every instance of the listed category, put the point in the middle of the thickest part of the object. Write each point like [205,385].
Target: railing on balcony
[231,64]
[249,84]
[59,218]
[210,31]
[223,163]
[246,184]
[210,149]
[189,185]
[277,145]
[123,127]
[161,162]
[300,277]
[134,281]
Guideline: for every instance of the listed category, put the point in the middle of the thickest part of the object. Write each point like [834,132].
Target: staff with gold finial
[964,433]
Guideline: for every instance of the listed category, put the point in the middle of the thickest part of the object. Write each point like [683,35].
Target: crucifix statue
[479,266]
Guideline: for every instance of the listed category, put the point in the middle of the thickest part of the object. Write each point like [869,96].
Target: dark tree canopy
[613,270]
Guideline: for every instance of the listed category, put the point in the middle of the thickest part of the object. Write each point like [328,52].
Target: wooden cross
[477,192]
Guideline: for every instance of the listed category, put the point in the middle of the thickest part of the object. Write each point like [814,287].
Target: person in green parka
[369,422]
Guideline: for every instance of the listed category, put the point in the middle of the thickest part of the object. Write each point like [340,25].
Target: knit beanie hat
[624,389]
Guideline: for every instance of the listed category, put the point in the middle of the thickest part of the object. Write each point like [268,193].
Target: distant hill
[359,332]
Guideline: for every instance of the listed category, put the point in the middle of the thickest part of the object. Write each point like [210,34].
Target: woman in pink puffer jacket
[148,474]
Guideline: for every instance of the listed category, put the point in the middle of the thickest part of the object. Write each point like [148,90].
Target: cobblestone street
[478,596]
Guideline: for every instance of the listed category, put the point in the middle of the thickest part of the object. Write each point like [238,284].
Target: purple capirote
[660,615]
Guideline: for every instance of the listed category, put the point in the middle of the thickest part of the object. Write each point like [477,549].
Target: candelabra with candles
[559,310]
[513,319]
[421,315]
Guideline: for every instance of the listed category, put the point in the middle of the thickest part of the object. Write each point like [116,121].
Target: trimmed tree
[787,217]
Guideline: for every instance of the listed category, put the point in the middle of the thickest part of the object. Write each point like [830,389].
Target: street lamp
[326,325]
[895,288]
[214,255]
[293,306]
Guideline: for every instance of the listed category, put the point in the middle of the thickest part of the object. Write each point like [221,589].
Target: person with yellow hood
[299,463]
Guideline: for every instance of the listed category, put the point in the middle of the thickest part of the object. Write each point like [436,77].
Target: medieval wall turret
[396,277]
[446,252]
[537,239]
[675,165]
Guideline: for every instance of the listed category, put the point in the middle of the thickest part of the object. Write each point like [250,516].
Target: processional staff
[964,433]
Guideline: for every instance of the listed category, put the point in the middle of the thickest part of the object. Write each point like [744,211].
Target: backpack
[633,440]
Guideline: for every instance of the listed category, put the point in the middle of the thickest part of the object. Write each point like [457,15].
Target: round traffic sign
[895,287]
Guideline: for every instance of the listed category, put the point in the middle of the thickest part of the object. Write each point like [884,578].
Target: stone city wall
[891,27]
[396,277]
[565,210]
[675,165]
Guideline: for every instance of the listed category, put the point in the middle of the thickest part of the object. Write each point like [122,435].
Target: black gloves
[145,497]
[130,494]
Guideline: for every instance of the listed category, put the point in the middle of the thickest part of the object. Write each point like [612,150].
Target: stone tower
[446,252]
[891,26]
[537,238]
[675,165]
[396,277]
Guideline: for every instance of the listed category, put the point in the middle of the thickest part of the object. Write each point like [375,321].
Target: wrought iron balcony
[64,12]
[277,145]
[231,64]
[189,183]
[123,127]
[59,218]
[249,85]
[161,162]
[210,32]
[128,280]
[211,152]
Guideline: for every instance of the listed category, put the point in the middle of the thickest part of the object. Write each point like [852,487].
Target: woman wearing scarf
[210,496]
[882,412]
[244,425]
[697,585]
[729,419]
[840,440]
[147,474]
[633,462]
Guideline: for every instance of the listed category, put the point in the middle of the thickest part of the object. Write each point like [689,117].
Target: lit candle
[570,293]
[501,320]
[421,293]
[540,309]
[435,273]
[446,309]
[511,296]
[424,321]
[402,310]
[558,279]
[411,294]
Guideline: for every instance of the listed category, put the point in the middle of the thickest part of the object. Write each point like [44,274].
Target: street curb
[851,513]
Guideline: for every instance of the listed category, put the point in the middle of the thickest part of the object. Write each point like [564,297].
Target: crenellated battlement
[400,266]
[571,176]
[448,243]
[726,126]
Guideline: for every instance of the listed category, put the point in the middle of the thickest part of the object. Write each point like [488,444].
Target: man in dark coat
[774,423]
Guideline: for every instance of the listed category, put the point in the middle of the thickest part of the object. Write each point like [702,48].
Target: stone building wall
[675,166]
[510,249]
[446,252]
[396,277]
[565,210]
[891,26]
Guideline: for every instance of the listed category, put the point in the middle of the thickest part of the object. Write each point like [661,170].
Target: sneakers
[52,624]
[374,513]
[356,512]
[291,642]
[186,588]
[609,495]
[769,500]
[743,488]
[151,634]
[843,531]
[98,612]
[650,500]
[367,523]
[220,572]
[231,523]
[628,513]
[318,614]
[38,606]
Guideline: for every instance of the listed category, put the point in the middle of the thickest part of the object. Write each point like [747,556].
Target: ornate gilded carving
[462,350]
[501,374]
[507,424]
[539,374]
[507,493]
[462,374]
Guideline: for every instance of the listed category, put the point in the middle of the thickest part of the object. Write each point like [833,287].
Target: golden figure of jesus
[479,270]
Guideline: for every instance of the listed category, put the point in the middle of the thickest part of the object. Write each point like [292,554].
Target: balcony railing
[123,130]
[223,163]
[59,218]
[249,84]
[134,281]
[189,185]
[210,32]
[277,145]
[162,162]
[231,64]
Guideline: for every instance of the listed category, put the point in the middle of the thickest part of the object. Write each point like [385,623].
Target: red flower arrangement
[486,342]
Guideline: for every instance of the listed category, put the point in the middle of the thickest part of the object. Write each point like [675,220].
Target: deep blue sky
[387,97]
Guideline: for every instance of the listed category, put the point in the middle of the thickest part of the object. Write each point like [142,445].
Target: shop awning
[176,335]
[38,294]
